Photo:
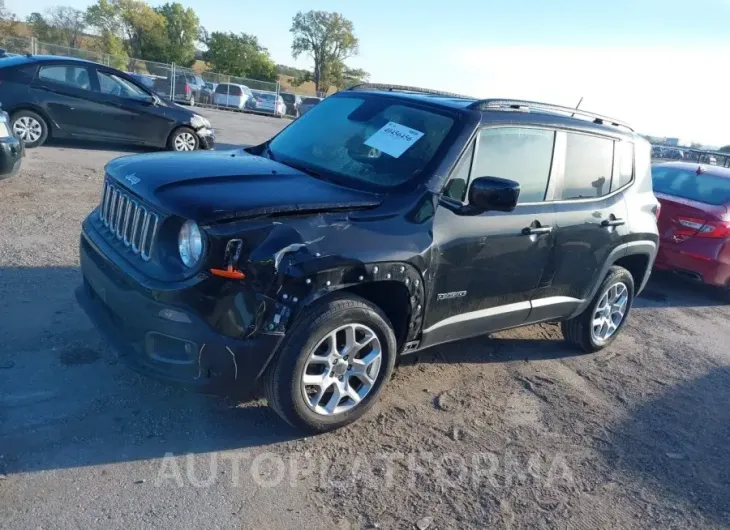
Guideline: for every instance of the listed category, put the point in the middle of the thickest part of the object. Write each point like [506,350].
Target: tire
[283,381]
[29,127]
[192,101]
[183,139]
[579,330]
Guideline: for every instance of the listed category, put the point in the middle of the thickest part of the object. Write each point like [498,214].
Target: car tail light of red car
[691,226]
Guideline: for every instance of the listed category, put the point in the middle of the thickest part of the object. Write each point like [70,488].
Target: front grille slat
[128,221]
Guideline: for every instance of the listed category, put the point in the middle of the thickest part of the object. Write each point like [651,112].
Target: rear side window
[624,164]
[19,74]
[706,188]
[75,76]
[311,101]
[588,167]
[521,154]
[221,89]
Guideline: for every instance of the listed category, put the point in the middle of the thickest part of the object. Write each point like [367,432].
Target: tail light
[657,210]
[690,226]
[187,90]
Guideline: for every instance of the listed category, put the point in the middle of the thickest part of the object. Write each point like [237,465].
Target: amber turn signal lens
[228,273]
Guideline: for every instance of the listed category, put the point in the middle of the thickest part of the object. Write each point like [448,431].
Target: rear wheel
[29,127]
[599,325]
[183,139]
[333,365]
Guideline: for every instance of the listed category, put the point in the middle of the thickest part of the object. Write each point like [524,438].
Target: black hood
[220,185]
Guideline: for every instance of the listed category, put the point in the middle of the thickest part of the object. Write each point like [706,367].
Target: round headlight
[190,243]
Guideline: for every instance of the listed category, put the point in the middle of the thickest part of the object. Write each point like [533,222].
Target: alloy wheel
[184,142]
[342,369]
[27,129]
[609,313]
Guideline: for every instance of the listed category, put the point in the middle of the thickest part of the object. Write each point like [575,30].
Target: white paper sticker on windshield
[393,139]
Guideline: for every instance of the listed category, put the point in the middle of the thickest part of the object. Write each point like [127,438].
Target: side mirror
[494,193]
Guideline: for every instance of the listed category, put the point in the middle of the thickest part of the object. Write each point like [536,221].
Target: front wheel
[333,365]
[599,324]
[29,127]
[183,139]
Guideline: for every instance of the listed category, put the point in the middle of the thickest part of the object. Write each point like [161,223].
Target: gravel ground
[515,431]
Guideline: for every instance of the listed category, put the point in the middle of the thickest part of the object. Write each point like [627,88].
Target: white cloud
[667,92]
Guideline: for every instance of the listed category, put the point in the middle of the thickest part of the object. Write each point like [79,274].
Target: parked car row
[65,97]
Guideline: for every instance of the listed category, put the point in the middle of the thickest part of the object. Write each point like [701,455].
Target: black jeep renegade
[386,220]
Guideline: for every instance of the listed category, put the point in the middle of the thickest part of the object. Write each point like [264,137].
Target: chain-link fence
[182,85]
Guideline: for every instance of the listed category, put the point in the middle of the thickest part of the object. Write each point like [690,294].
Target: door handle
[612,222]
[536,230]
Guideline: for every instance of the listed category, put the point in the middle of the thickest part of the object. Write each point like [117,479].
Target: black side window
[75,76]
[456,187]
[588,167]
[624,164]
[19,74]
[524,155]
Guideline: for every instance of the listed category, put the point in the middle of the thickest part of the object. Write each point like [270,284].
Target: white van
[231,95]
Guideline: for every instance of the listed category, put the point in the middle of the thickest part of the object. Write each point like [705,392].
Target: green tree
[725,149]
[111,44]
[346,77]
[329,39]
[140,28]
[182,28]
[239,55]
[41,29]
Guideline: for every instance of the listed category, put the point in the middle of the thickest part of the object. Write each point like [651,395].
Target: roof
[520,110]
[433,97]
[717,171]
[28,59]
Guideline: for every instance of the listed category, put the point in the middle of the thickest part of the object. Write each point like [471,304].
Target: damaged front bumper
[167,342]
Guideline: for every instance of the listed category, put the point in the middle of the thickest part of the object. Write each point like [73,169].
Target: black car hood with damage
[216,186]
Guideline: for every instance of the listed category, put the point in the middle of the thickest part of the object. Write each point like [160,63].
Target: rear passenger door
[65,93]
[591,215]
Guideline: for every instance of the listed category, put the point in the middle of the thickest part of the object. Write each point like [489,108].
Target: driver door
[130,115]
[489,266]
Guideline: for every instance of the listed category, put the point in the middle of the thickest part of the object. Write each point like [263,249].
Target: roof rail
[526,106]
[404,88]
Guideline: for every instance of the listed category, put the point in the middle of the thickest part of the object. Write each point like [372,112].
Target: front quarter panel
[291,262]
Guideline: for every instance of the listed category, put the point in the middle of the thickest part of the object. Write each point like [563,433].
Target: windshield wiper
[305,169]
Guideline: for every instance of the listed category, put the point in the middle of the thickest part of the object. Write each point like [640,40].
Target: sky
[660,65]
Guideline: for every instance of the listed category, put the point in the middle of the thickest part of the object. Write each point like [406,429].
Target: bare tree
[69,24]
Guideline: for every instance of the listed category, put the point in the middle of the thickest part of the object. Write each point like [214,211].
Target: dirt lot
[509,432]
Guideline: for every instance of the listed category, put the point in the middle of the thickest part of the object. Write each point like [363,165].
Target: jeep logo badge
[132,178]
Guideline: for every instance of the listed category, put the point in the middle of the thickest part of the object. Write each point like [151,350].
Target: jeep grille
[128,220]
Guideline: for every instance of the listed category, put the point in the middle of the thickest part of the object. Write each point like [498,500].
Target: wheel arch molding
[395,287]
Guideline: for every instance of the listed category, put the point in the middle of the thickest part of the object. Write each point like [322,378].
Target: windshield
[375,141]
[267,97]
[706,188]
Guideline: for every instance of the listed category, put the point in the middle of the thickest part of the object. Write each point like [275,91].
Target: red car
[694,221]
